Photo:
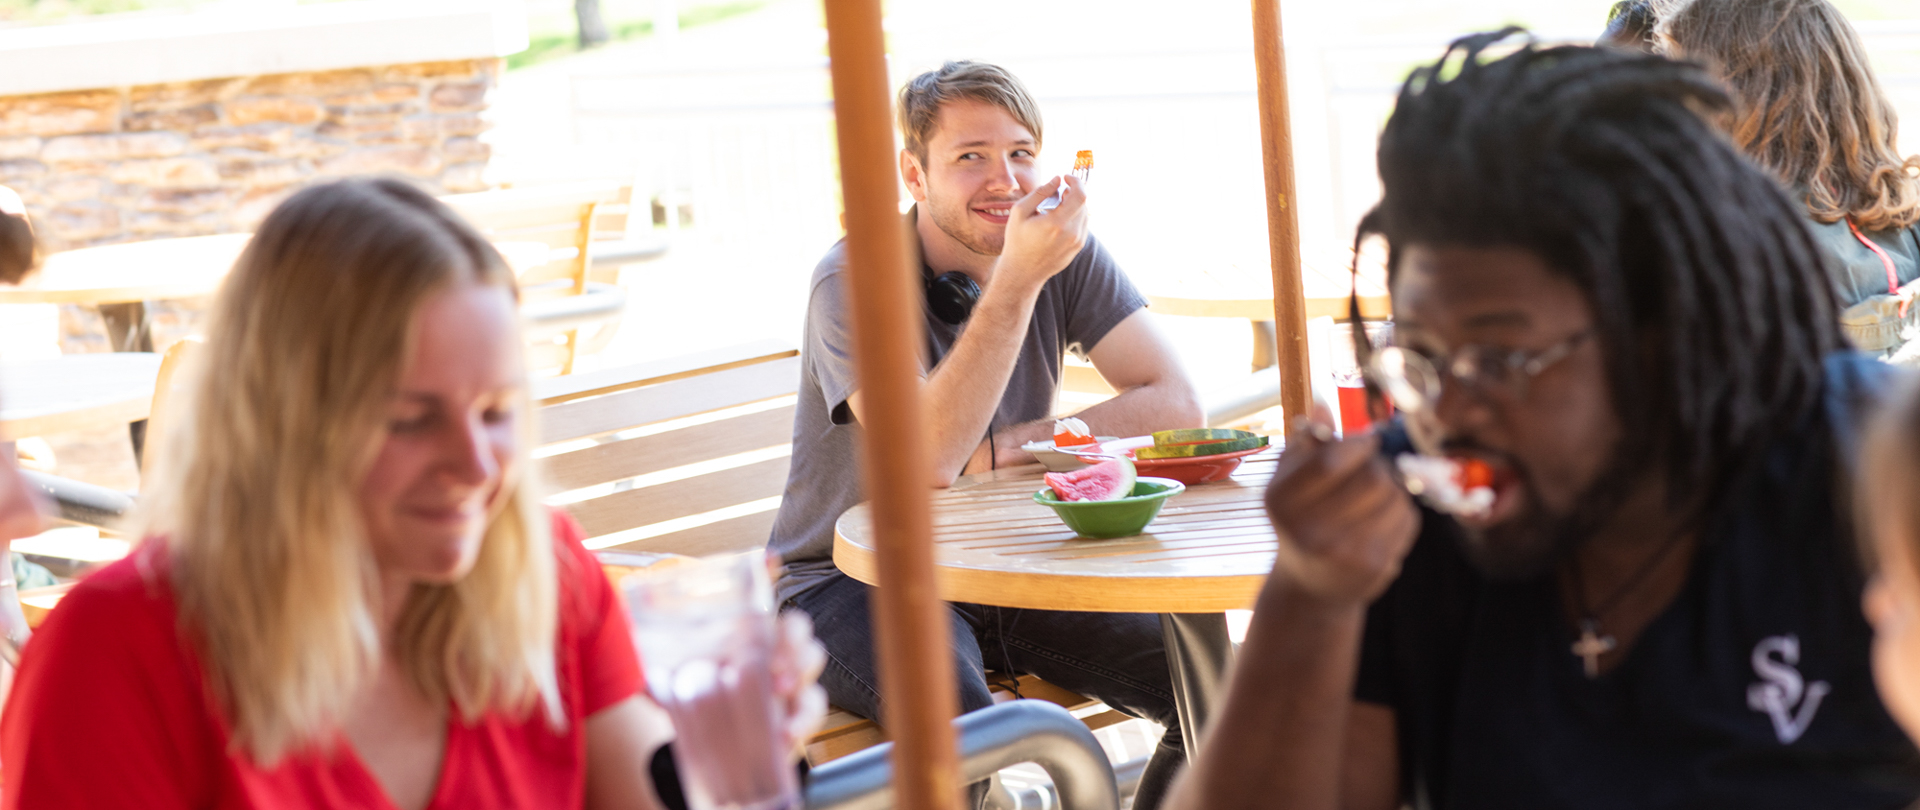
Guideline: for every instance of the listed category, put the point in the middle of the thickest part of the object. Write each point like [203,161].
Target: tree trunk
[593,26]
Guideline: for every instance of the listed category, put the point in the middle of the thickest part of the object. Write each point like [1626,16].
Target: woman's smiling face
[450,438]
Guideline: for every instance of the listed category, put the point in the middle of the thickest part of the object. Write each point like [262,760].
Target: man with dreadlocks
[1601,302]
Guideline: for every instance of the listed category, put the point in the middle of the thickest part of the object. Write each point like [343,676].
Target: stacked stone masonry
[214,156]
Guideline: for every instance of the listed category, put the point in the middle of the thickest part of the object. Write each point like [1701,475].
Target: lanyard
[1893,276]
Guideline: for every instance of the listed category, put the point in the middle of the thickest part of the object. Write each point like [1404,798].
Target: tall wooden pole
[916,667]
[1283,221]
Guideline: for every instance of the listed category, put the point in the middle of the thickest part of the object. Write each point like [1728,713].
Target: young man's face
[979,163]
[1548,440]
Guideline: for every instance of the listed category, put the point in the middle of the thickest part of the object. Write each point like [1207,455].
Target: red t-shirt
[111,710]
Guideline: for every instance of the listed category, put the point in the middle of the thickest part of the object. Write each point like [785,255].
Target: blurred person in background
[348,594]
[1889,517]
[1620,321]
[19,512]
[20,509]
[1808,108]
[1629,26]
[17,245]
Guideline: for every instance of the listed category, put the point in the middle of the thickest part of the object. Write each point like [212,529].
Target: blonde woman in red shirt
[349,596]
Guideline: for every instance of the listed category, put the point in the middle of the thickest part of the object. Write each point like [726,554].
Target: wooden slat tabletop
[75,392]
[154,270]
[1209,549]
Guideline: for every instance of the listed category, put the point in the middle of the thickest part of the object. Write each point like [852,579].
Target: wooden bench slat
[682,498]
[744,533]
[556,219]
[488,202]
[669,400]
[620,460]
[555,390]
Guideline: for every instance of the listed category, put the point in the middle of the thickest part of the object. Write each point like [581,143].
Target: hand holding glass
[708,638]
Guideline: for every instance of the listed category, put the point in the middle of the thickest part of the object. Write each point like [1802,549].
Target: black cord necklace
[1594,643]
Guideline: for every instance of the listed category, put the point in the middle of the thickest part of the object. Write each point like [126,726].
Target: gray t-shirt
[1075,310]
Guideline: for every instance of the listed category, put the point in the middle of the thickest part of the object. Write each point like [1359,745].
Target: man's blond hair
[922,98]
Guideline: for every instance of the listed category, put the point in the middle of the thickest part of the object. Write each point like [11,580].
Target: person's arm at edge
[961,394]
[1279,739]
[1155,391]
[621,739]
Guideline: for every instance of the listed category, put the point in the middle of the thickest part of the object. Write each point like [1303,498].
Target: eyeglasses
[1412,381]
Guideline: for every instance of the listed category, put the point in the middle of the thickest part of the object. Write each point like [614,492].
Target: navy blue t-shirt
[1753,690]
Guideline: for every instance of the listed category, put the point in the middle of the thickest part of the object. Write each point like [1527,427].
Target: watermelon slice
[1106,481]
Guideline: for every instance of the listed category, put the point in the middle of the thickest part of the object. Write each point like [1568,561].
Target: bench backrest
[684,456]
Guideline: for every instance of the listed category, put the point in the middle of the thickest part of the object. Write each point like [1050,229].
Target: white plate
[1056,460]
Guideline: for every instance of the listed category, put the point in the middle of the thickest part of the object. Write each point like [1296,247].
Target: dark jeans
[1117,658]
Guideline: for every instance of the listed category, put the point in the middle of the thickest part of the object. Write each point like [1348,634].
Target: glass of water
[706,632]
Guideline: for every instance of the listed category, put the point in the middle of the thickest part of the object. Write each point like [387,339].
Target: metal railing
[82,503]
[993,738]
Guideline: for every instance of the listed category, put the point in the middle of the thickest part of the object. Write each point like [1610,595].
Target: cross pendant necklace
[1592,645]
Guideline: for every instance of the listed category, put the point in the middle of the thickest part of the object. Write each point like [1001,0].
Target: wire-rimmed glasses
[1413,381]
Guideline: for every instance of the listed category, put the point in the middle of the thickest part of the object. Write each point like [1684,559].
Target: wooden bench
[682,456]
[688,456]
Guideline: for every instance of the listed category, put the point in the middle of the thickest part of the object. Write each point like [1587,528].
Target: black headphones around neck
[951,296]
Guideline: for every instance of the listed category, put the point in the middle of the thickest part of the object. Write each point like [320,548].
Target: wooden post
[1283,221]
[916,667]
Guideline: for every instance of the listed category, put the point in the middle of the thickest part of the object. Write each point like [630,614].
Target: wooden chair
[560,216]
[36,603]
[163,387]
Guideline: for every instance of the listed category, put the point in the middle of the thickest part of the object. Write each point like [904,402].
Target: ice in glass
[706,633]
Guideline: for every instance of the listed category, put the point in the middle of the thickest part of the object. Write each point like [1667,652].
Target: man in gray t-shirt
[1044,287]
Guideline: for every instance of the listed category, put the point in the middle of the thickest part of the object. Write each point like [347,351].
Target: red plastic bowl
[1189,471]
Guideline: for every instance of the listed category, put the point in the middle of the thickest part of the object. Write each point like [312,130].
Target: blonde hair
[1808,105]
[257,481]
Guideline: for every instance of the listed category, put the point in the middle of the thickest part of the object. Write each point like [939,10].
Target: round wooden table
[154,270]
[1209,550]
[75,392]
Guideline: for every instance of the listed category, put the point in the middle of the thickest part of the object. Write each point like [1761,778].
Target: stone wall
[214,156]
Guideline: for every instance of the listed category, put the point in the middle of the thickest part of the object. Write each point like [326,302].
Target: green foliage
[556,35]
[40,11]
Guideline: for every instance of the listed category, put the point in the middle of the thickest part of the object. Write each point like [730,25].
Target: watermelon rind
[1198,442]
[1127,476]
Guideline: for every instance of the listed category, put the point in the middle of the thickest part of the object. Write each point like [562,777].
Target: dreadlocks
[1711,306]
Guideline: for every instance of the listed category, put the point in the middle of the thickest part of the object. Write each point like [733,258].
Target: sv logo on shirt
[1787,699]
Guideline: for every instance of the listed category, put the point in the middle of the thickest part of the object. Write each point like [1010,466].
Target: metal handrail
[992,738]
[82,503]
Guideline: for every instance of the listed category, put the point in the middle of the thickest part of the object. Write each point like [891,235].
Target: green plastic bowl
[1121,517]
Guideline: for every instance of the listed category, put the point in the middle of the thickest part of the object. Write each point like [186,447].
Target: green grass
[554,35]
[553,32]
[44,11]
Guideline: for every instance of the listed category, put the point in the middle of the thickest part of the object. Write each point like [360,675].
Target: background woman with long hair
[1809,109]
[348,595]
